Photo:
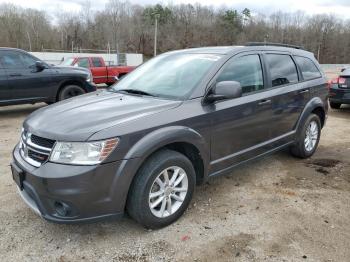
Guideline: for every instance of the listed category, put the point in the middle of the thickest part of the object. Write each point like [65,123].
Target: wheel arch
[181,139]
[66,83]
[314,106]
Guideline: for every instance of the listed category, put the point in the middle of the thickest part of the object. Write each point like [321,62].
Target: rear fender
[314,103]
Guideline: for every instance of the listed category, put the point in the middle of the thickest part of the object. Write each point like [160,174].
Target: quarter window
[307,67]
[245,70]
[282,69]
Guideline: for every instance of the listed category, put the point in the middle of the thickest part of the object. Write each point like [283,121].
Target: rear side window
[96,62]
[282,69]
[307,67]
[246,70]
[83,62]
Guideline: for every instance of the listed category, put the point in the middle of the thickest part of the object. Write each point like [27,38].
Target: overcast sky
[338,7]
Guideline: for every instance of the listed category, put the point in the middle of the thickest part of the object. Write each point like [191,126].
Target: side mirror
[40,66]
[225,90]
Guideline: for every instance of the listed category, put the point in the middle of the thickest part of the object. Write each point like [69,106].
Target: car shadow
[9,112]
[342,112]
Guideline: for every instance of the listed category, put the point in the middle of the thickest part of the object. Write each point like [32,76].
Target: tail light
[340,81]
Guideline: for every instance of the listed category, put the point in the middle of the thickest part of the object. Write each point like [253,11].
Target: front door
[5,91]
[241,126]
[25,81]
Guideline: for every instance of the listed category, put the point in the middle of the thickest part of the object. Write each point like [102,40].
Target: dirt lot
[278,208]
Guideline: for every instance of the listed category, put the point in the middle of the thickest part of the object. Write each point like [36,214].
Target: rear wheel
[162,189]
[70,91]
[334,105]
[308,139]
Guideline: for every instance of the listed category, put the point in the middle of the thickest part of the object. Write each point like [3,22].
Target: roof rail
[273,44]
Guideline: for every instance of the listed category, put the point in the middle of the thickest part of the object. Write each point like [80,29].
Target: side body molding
[150,143]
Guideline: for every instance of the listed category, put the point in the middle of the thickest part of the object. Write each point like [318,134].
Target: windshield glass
[67,62]
[170,76]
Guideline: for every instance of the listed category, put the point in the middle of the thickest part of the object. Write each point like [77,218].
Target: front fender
[314,103]
[149,144]
[167,135]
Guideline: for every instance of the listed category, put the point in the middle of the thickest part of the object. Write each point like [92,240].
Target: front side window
[282,69]
[17,60]
[28,61]
[83,62]
[172,76]
[246,70]
[307,67]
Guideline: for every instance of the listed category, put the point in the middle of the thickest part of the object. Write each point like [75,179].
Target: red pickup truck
[101,73]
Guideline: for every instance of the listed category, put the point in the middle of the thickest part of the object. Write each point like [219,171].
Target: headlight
[89,78]
[83,153]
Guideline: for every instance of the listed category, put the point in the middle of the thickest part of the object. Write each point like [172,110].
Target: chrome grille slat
[33,153]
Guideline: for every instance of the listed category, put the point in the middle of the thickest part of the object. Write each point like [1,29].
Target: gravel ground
[275,209]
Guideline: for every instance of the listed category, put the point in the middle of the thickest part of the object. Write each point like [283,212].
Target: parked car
[26,79]
[339,89]
[176,121]
[102,74]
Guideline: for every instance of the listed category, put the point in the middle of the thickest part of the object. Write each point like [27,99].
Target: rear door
[290,95]
[25,81]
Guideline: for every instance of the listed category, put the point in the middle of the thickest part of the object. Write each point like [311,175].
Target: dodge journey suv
[142,145]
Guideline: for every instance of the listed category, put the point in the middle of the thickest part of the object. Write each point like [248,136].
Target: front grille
[41,158]
[44,142]
[34,149]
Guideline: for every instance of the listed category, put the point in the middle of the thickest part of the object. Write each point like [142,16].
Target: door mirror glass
[225,90]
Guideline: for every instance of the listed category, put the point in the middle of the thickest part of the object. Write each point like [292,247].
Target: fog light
[62,209]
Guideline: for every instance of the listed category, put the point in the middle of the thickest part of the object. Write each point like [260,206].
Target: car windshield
[67,62]
[172,76]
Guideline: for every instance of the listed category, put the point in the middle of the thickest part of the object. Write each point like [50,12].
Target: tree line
[125,27]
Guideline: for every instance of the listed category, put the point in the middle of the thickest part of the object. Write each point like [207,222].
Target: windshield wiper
[135,91]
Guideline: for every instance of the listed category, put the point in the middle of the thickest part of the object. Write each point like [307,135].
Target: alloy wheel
[168,191]
[311,136]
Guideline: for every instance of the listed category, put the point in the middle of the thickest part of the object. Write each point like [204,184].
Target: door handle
[304,91]
[264,102]
[15,74]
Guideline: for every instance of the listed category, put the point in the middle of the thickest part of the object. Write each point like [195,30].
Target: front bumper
[339,95]
[84,193]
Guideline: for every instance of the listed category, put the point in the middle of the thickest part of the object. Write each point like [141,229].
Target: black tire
[138,205]
[334,105]
[299,148]
[70,91]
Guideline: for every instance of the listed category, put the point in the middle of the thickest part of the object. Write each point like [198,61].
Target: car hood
[71,69]
[78,118]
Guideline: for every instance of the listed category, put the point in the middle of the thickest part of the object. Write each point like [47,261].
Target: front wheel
[162,189]
[308,139]
[70,91]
